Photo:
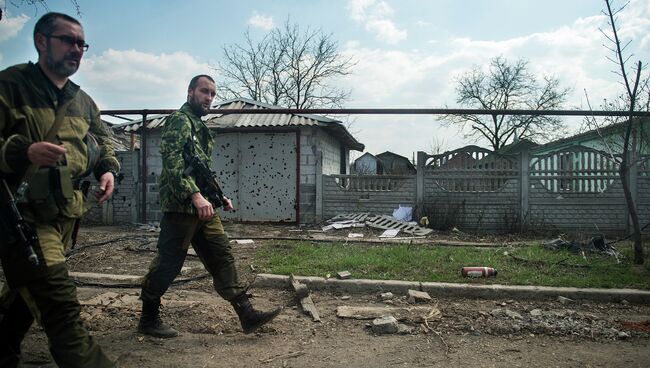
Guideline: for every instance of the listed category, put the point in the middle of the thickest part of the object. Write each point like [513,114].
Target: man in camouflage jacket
[189,218]
[30,97]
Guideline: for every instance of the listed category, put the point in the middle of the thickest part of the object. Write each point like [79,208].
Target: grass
[523,265]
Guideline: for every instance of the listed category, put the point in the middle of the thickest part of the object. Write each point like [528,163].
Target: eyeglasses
[71,41]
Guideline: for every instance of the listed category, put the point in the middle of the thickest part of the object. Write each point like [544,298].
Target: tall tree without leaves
[287,67]
[634,103]
[506,86]
[36,4]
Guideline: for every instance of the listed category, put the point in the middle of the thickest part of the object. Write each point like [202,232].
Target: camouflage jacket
[28,104]
[177,188]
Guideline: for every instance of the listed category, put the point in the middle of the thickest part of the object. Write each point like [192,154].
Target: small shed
[367,164]
[270,165]
[394,164]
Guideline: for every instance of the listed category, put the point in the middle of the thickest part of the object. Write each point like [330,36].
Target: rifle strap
[192,132]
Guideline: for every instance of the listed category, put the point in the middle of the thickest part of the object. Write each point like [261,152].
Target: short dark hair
[195,81]
[47,23]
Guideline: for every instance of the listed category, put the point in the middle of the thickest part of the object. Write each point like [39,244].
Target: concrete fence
[573,190]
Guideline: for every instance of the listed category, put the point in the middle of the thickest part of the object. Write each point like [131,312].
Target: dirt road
[485,333]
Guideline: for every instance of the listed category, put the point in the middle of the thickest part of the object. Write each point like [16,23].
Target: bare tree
[508,86]
[36,4]
[436,146]
[635,98]
[287,67]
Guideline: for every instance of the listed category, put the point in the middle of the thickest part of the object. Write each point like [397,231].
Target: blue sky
[143,52]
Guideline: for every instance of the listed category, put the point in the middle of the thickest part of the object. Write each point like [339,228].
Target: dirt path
[470,332]
[485,333]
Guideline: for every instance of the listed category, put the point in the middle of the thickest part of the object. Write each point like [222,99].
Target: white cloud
[375,16]
[263,22]
[9,27]
[416,79]
[129,79]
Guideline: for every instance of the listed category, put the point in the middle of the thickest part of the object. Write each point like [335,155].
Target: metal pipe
[143,151]
[444,111]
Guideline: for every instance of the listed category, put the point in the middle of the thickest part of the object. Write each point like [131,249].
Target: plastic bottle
[478,271]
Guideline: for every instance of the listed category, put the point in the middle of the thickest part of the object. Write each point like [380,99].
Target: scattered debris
[596,245]
[390,233]
[343,275]
[405,314]
[302,294]
[643,326]
[283,356]
[346,297]
[355,235]
[415,296]
[403,213]
[564,300]
[385,325]
[375,221]
[536,312]
[386,296]
[478,271]
[153,227]
[244,241]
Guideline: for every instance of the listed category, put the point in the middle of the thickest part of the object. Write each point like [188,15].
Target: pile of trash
[391,224]
[595,245]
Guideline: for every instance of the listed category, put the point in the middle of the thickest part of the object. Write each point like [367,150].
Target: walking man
[189,218]
[47,125]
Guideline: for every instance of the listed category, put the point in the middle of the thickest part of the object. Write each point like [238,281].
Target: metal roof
[252,121]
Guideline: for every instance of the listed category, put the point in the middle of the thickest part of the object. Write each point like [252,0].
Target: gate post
[524,189]
[419,183]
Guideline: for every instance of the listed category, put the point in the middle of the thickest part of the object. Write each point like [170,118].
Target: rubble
[384,222]
[302,294]
[415,296]
[385,325]
[343,275]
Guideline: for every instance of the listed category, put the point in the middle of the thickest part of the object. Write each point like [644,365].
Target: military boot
[250,318]
[151,324]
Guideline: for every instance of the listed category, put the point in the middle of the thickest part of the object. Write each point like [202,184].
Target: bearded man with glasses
[51,136]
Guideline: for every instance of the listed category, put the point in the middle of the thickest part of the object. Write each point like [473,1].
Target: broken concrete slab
[384,222]
[415,296]
[385,325]
[564,300]
[343,275]
[307,304]
[406,314]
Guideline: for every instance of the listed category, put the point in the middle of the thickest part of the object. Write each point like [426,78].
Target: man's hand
[45,153]
[203,206]
[227,204]
[106,186]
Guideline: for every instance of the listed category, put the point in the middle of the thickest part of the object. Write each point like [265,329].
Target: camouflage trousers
[211,244]
[47,294]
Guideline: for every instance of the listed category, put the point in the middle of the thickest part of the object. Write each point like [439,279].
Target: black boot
[151,324]
[250,318]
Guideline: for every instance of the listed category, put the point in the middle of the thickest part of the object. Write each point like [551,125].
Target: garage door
[258,171]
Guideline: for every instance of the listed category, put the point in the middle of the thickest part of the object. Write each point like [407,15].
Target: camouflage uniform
[180,225]
[28,104]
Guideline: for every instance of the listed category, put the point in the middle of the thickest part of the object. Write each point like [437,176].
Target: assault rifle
[14,220]
[206,179]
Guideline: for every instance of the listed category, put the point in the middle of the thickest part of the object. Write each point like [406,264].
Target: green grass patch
[523,265]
